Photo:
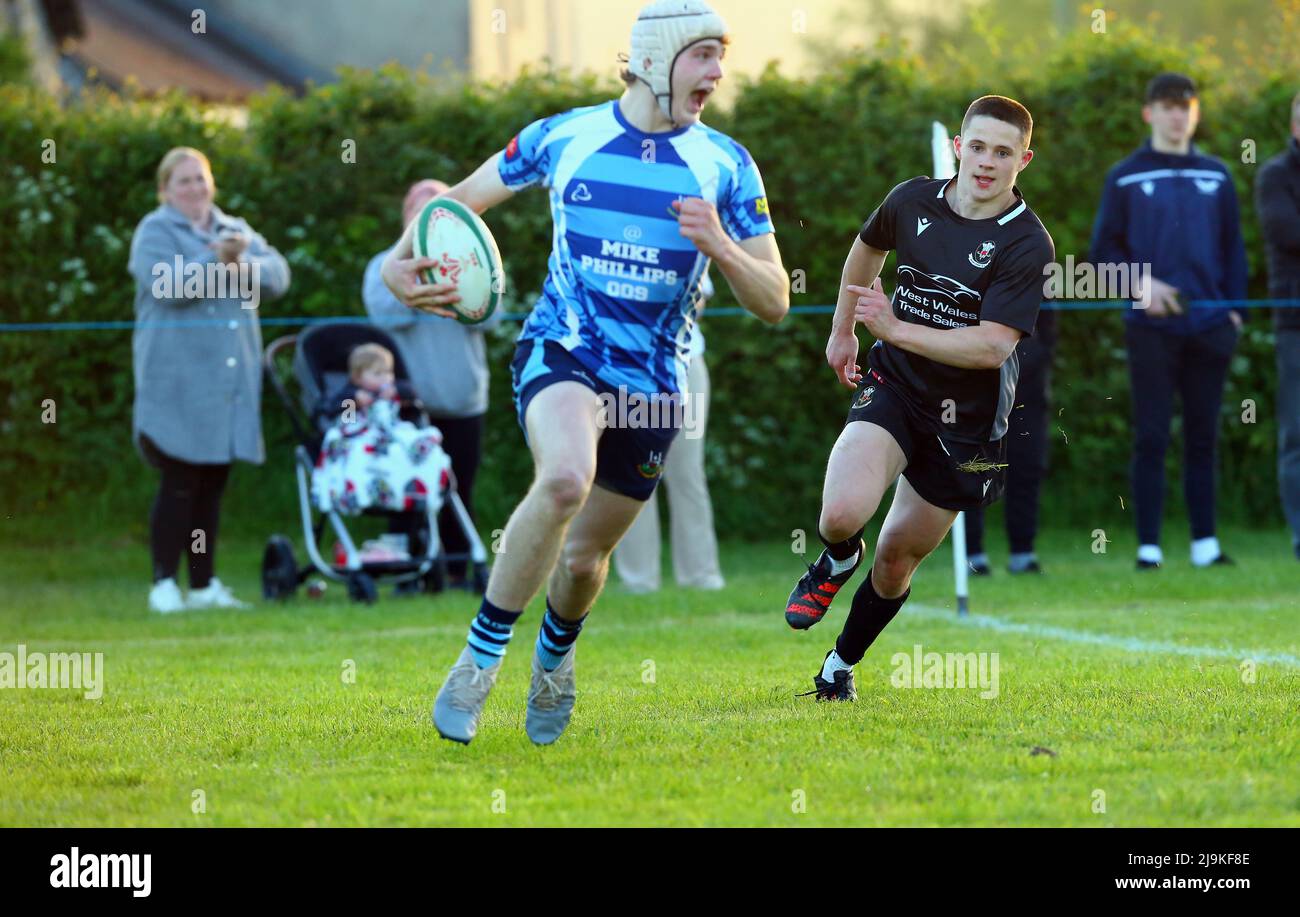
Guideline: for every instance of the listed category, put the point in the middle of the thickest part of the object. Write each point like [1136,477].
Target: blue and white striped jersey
[622,280]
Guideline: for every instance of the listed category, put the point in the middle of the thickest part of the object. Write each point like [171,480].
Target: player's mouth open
[699,97]
[984,182]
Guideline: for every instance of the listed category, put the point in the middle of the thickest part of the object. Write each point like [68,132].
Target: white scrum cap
[663,30]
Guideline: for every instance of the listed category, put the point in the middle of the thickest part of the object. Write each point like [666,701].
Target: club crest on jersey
[653,467]
[865,398]
[982,255]
[512,149]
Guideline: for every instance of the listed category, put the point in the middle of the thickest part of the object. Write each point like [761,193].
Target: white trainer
[165,597]
[214,595]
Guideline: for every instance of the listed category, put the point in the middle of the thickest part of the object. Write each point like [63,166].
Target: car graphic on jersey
[955,290]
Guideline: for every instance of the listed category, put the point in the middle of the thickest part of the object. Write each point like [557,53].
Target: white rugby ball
[453,235]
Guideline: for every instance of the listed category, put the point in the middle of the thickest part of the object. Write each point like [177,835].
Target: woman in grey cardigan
[199,275]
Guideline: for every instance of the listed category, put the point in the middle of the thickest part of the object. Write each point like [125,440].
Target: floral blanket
[380,462]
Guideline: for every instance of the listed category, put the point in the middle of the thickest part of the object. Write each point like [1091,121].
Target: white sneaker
[214,595]
[165,597]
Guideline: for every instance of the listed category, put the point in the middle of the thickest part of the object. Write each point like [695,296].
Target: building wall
[26,19]
[362,33]
[589,34]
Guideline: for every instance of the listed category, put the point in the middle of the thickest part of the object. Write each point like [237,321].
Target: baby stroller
[319,368]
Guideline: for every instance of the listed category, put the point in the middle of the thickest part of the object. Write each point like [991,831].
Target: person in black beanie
[1277,200]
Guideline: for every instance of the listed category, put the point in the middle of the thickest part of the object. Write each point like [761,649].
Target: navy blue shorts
[946,473]
[629,457]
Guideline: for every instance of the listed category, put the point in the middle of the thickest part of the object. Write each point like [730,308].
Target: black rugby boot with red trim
[816,589]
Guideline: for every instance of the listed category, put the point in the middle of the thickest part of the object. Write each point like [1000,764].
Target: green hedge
[829,149]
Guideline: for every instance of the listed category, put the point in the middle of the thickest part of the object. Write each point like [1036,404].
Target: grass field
[686,712]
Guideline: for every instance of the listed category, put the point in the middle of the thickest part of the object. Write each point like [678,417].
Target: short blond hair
[172,159]
[369,356]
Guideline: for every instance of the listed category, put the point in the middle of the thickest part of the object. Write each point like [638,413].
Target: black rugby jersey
[953,273]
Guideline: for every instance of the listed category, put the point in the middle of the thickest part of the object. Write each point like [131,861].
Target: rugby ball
[453,235]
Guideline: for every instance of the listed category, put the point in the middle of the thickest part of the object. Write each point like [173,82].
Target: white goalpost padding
[945,166]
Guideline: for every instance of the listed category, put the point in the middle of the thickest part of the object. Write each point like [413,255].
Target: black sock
[868,616]
[843,550]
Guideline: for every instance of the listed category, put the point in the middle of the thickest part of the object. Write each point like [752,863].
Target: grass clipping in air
[975,466]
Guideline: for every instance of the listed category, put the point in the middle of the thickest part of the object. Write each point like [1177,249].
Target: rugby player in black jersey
[931,410]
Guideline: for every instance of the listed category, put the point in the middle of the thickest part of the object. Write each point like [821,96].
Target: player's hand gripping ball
[465,255]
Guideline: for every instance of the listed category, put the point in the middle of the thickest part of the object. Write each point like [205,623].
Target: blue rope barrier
[720,311]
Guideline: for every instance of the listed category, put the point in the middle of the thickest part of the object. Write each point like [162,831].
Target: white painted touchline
[1129,644]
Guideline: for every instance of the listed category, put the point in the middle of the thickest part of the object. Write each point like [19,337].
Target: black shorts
[946,473]
[629,460]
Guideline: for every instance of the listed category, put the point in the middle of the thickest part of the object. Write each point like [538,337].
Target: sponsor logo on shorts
[653,467]
[982,255]
[865,398]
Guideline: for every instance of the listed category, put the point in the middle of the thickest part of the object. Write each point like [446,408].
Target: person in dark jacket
[1026,455]
[1277,200]
[1173,208]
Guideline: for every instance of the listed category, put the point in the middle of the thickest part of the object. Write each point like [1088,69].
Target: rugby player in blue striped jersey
[643,198]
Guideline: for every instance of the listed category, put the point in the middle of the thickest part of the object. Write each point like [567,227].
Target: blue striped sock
[555,638]
[489,633]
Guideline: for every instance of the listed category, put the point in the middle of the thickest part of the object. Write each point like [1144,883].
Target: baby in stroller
[372,376]
[357,453]
[370,457]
